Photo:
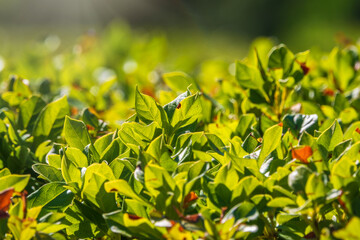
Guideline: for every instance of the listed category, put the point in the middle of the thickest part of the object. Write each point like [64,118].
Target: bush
[269,151]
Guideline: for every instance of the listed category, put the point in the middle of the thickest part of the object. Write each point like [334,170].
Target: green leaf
[244,210]
[101,169]
[45,194]
[158,180]
[281,202]
[351,132]
[54,160]
[122,168]
[103,142]
[271,140]
[215,143]
[89,118]
[156,148]
[315,187]
[4,172]
[331,137]
[248,77]
[126,225]
[49,123]
[342,172]
[170,108]
[179,81]
[94,191]
[135,208]
[29,110]
[70,171]
[18,182]
[249,144]
[187,112]
[51,223]
[121,186]
[298,178]
[341,64]
[76,134]
[137,134]
[299,123]
[148,110]
[84,221]
[245,123]
[281,57]
[50,173]
[112,150]
[219,194]
[350,231]
[77,157]
[227,175]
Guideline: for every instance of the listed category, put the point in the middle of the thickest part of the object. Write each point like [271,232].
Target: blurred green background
[36,35]
[103,49]
[300,24]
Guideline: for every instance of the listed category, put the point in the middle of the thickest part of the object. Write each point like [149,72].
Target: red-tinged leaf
[305,68]
[5,199]
[23,199]
[192,218]
[179,213]
[173,224]
[341,202]
[3,215]
[328,92]
[89,127]
[302,154]
[77,86]
[74,111]
[149,91]
[310,235]
[189,198]
[223,210]
[92,110]
[134,217]
[357,130]
[214,90]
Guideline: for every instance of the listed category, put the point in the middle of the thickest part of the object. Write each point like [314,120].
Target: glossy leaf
[76,133]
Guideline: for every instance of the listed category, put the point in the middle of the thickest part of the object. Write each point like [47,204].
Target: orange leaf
[357,130]
[89,127]
[74,111]
[189,198]
[5,199]
[149,91]
[328,92]
[302,154]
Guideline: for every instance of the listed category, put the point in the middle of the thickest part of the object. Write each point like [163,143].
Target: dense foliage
[266,148]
